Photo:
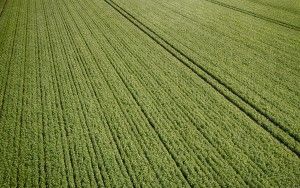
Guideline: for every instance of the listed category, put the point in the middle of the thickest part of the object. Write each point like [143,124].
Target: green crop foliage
[128,93]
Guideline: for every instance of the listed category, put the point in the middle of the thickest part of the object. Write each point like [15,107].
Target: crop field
[150,93]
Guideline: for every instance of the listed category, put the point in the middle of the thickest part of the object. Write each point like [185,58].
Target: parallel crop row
[121,70]
[89,100]
[284,14]
[243,81]
[133,168]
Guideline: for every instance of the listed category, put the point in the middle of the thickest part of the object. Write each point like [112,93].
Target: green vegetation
[285,11]
[128,93]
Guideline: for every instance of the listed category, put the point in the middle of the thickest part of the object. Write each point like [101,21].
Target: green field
[149,93]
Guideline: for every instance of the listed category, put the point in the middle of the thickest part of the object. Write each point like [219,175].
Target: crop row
[249,81]
[277,131]
[285,14]
[152,68]
[89,100]
[110,38]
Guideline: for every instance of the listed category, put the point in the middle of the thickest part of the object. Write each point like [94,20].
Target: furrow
[92,137]
[50,97]
[111,130]
[8,64]
[153,126]
[67,76]
[128,119]
[106,120]
[93,93]
[137,93]
[238,66]
[151,123]
[18,128]
[92,153]
[68,131]
[4,30]
[152,93]
[42,180]
[259,16]
[22,124]
[110,39]
[70,181]
[153,68]
[143,111]
[246,81]
[85,121]
[218,85]
[31,164]
[243,38]
[278,80]
[5,109]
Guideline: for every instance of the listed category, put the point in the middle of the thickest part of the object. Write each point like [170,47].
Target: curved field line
[271,20]
[181,57]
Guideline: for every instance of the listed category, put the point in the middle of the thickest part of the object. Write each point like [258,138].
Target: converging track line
[213,81]
[271,20]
